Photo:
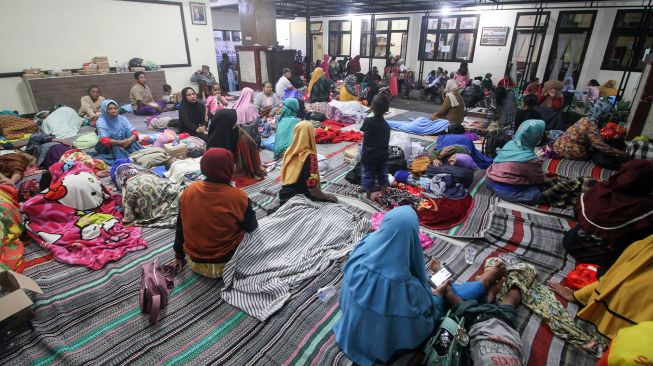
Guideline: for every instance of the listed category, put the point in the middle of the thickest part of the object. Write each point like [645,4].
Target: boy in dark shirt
[376,137]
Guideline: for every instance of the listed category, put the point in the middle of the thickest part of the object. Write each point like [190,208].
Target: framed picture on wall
[198,13]
[494,36]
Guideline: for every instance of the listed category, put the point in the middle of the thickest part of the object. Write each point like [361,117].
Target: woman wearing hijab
[386,300]
[117,137]
[453,107]
[568,85]
[354,65]
[455,142]
[319,87]
[284,135]
[622,297]
[225,133]
[192,115]
[613,214]
[300,173]
[517,172]
[213,217]
[582,139]
[348,92]
[248,115]
[551,96]
[487,82]
[609,89]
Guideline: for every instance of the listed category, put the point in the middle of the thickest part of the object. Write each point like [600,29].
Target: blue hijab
[117,128]
[454,139]
[385,289]
[521,148]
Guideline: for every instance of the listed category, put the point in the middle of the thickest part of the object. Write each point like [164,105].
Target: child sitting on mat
[376,138]
[215,102]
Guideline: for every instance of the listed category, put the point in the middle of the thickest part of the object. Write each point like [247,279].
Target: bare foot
[494,290]
[564,292]
[434,264]
[493,274]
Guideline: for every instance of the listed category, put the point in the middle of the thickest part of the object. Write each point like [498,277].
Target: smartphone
[442,275]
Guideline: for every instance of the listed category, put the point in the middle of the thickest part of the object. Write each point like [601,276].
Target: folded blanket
[281,254]
[420,126]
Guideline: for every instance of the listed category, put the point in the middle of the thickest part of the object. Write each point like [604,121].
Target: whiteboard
[247,66]
[64,34]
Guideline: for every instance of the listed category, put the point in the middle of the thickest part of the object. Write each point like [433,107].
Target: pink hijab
[244,109]
[325,65]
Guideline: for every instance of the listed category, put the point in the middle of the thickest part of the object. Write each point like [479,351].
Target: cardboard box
[180,151]
[15,304]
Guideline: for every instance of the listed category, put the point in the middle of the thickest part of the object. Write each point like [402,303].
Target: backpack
[494,141]
[156,285]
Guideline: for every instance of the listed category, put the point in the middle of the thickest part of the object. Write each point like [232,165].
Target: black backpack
[494,141]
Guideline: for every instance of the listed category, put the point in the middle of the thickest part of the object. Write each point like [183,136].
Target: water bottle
[325,293]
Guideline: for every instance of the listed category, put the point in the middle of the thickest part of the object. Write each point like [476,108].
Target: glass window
[390,37]
[468,23]
[340,38]
[316,27]
[445,47]
[226,35]
[235,36]
[449,23]
[628,41]
[465,46]
[449,38]
[401,24]
[381,25]
[578,20]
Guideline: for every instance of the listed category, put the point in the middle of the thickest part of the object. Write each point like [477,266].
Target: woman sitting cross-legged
[192,115]
[300,173]
[226,134]
[517,174]
[387,303]
[213,217]
[118,138]
[283,137]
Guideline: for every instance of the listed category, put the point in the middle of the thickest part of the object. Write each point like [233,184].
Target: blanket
[328,136]
[77,219]
[420,126]
[14,127]
[281,254]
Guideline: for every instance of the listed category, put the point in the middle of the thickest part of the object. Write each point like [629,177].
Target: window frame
[374,32]
[540,29]
[425,32]
[628,32]
[339,34]
[568,30]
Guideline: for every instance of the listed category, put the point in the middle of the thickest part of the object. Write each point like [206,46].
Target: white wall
[225,19]
[492,59]
[13,91]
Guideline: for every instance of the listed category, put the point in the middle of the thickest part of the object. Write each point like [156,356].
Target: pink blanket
[78,221]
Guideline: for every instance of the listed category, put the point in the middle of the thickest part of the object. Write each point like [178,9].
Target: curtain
[563,41]
[520,42]
[577,42]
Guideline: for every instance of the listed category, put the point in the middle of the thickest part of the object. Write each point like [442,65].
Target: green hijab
[283,136]
[521,148]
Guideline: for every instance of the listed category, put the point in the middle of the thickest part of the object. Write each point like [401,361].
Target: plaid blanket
[536,240]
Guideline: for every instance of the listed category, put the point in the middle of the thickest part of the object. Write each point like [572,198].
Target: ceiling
[320,8]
